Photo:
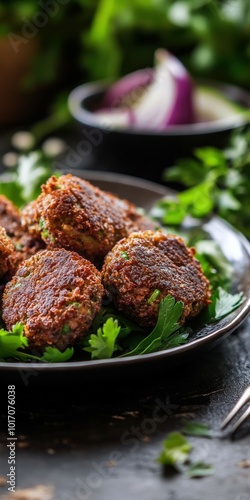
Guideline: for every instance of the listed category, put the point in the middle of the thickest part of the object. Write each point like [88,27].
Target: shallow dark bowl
[145,153]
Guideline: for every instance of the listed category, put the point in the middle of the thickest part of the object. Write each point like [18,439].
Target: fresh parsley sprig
[103,343]
[14,345]
[167,331]
[109,338]
[212,181]
[223,303]
[176,451]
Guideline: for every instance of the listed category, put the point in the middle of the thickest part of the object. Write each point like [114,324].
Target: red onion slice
[151,99]
[130,86]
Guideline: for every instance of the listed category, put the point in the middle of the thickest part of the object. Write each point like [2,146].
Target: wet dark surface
[99,438]
[95,441]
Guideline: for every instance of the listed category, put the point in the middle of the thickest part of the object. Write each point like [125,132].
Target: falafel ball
[56,295]
[146,266]
[28,222]
[76,215]
[25,246]
[24,243]
[6,250]
[9,216]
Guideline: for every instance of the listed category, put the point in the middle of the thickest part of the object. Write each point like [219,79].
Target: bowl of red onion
[147,120]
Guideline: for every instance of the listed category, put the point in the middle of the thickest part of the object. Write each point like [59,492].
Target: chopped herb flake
[65,329]
[199,469]
[175,450]
[75,304]
[154,296]
[196,429]
[125,256]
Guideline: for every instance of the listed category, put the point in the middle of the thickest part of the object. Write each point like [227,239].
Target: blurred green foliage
[86,40]
[211,37]
[98,39]
[57,27]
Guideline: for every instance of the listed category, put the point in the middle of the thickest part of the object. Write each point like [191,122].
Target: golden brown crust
[24,243]
[148,261]
[76,215]
[9,216]
[25,246]
[6,250]
[55,294]
[28,219]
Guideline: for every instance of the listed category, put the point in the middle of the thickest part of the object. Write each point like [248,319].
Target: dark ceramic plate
[233,245]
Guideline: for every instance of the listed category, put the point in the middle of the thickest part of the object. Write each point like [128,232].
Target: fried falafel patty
[146,266]
[76,215]
[56,295]
[24,243]
[6,250]
[28,221]
[9,216]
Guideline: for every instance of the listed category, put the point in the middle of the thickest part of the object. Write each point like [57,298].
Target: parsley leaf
[175,450]
[126,325]
[196,429]
[199,469]
[224,303]
[102,344]
[167,324]
[53,355]
[215,266]
[213,181]
[11,343]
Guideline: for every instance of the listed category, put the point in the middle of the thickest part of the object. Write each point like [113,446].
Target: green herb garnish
[213,182]
[225,303]
[102,344]
[15,345]
[65,329]
[175,450]
[196,429]
[153,296]
[125,256]
[199,469]
[166,328]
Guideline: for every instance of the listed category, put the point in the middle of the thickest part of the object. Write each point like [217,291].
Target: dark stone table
[100,439]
